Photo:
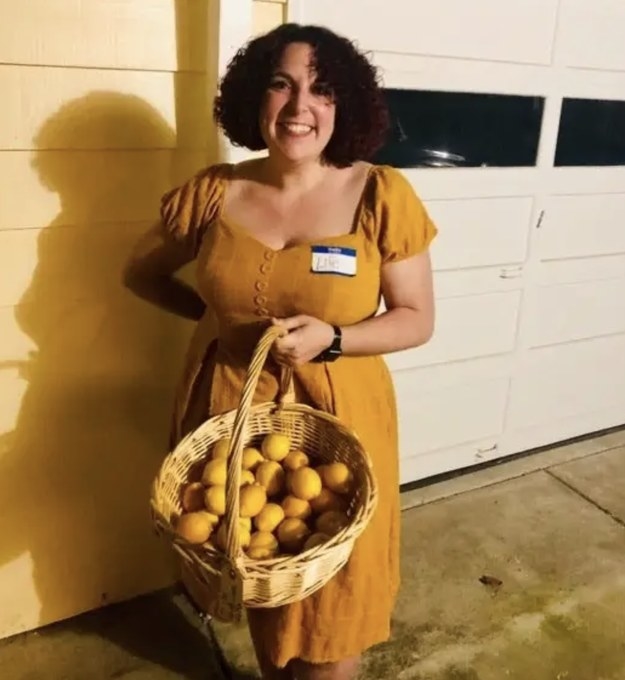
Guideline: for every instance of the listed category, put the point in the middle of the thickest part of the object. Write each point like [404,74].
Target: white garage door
[530,262]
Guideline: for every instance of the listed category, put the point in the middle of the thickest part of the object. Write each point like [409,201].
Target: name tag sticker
[333,260]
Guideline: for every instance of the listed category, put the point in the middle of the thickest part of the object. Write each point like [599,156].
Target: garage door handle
[511,272]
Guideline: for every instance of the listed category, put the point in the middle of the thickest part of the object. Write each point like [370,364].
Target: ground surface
[548,533]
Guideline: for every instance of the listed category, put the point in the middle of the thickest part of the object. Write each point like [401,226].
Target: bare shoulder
[248,170]
[361,170]
[355,177]
[245,176]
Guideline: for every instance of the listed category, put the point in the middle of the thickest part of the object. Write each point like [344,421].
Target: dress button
[260,299]
[264,268]
[262,311]
[260,285]
[269,255]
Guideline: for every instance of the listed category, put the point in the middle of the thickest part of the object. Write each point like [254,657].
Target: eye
[322,90]
[278,84]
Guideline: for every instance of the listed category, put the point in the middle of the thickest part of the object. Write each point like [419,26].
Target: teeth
[298,128]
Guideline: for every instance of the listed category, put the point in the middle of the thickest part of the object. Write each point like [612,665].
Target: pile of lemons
[287,506]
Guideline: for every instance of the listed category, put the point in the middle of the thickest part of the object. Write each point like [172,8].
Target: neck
[299,176]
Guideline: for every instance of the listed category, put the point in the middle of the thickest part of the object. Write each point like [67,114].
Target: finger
[283,344]
[279,323]
[294,322]
[286,343]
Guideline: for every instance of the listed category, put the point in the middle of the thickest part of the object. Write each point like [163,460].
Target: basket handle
[233,479]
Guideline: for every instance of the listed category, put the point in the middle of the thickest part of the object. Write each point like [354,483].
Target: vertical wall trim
[235,29]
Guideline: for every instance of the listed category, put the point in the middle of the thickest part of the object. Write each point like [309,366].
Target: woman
[308,237]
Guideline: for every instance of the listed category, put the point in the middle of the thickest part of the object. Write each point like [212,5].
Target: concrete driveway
[516,572]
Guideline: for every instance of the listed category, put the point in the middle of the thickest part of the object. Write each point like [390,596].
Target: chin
[299,152]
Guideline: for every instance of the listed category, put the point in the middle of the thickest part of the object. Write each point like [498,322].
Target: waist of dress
[235,345]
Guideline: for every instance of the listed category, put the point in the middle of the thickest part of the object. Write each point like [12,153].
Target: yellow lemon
[327,500]
[331,522]
[305,483]
[295,460]
[272,476]
[314,540]
[296,507]
[262,553]
[252,499]
[244,538]
[195,527]
[251,458]
[221,449]
[264,539]
[269,517]
[222,537]
[320,469]
[247,477]
[246,523]
[292,533]
[337,477]
[276,447]
[215,472]
[215,500]
[193,497]
[263,546]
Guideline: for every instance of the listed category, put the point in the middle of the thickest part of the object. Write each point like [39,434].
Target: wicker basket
[232,580]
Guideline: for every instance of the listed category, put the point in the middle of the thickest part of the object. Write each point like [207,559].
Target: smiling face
[297,116]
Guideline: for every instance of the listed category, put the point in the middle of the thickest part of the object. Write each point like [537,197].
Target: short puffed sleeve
[187,210]
[404,227]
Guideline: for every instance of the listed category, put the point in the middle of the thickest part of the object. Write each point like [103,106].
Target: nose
[299,100]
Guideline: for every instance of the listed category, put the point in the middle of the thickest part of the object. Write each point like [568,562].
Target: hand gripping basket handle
[239,430]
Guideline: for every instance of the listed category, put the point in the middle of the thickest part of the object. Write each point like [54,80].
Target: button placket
[261,285]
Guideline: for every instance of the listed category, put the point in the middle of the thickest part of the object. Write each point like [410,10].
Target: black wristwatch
[334,351]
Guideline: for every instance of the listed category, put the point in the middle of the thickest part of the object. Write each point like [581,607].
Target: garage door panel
[562,313]
[437,419]
[564,381]
[480,232]
[517,30]
[590,34]
[582,226]
[467,327]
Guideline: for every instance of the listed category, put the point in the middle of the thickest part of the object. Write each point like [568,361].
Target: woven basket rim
[295,407]
[267,406]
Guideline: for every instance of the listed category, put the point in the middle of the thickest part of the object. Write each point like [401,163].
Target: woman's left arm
[408,321]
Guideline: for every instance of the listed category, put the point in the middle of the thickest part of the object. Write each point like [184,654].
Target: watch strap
[334,351]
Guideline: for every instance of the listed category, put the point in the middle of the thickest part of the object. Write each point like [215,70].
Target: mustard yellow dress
[244,283]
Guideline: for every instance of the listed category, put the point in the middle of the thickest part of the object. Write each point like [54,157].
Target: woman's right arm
[150,274]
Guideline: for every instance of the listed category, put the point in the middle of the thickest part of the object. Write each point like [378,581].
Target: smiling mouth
[297,129]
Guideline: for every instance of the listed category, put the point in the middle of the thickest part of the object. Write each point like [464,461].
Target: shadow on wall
[93,424]
[75,472]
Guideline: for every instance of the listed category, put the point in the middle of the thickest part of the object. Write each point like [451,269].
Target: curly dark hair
[362,118]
